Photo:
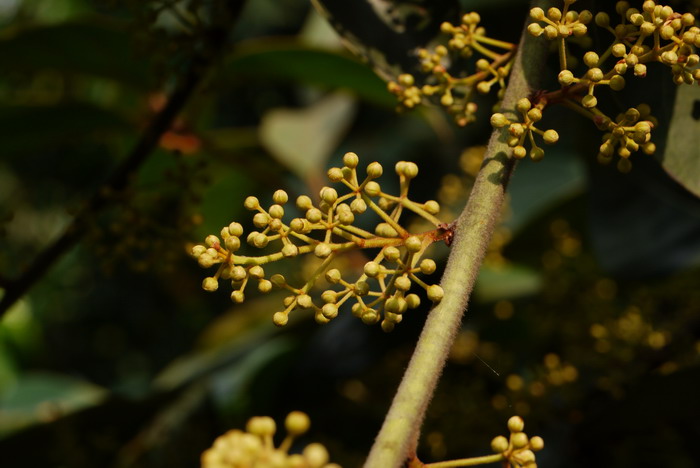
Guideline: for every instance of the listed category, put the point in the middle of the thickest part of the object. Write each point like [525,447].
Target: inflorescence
[326,230]
[255,447]
[456,93]
[654,33]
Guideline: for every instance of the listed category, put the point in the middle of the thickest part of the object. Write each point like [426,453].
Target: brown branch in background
[196,71]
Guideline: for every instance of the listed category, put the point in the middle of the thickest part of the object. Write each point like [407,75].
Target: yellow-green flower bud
[297,423]
[554,14]
[304,203]
[372,269]
[330,311]
[413,244]
[617,83]
[261,426]
[329,195]
[314,215]
[550,137]
[316,455]
[406,80]
[351,160]
[361,288]
[280,197]
[516,424]
[320,319]
[346,217]
[372,189]
[335,174]
[519,440]
[198,250]
[591,59]
[264,286]
[261,220]
[523,105]
[595,75]
[550,32]
[333,276]
[499,120]
[256,272]
[210,284]
[322,250]
[534,114]
[358,206]
[536,444]
[374,170]
[537,13]
[238,273]
[276,211]
[432,207]
[304,301]
[391,253]
[519,152]
[412,301]
[211,240]
[435,293]
[535,29]
[537,154]
[251,203]
[499,444]
[280,319]
[205,260]
[402,283]
[589,101]
[428,266]
[232,243]
[260,241]
[290,250]
[237,297]
[329,296]
[278,280]
[602,19]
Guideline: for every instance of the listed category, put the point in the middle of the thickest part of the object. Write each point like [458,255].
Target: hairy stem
[397,439]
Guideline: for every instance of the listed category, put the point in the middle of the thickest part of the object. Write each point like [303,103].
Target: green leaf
[507,281]
[276,60]
[39,397]
[28,128]
[681,158]
[304,139]
[93,47]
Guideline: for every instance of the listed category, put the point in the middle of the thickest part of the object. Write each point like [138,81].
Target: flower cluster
[325,230]
[518,450]
[656,33]
[456,93]
[521,133]
[255,447]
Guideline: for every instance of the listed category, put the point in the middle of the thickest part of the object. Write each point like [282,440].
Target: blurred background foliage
[585,320]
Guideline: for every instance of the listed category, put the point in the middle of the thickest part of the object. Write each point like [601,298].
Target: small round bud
[256,272]
[238,273]
[314,215]
[536,444]
[537,13]
[290,250]
[385,230]
[591,59]
[304,203]
[499,120]
[264,286]
[432,207]
[595,75]
[412,301]
[435,293]
[210,284]
[537,154]
[304,301]
[554,14]
[361,288]
[329,296]
[198,250]
[534,114]
[261,426]
[211,240]
[280,197]
[391,253]
[237,297]
[316,455]
[251,203]
[374,170]
[535,29]
[278,280]
[276,211]
[322,250]
[589,101]
[499,444]
[329,195]
[619,50]
[260,241]
[297,423]
[402,283]
[372,269]
[333,276]
[372,189]
[413,244]
[550,32]
[566,77]
[346,217]
[358,206]
[516,424]
[235,229]
[205,260]
[550,137]
[427,266]
[617,83]
[519,440]
[406,79]
[519,152]
[280,319]
[330,311]
[523,105]
[602,20]
[335,174]
[232,243]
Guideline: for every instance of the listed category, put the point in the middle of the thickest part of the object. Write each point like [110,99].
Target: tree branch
[213,44]
[398,437]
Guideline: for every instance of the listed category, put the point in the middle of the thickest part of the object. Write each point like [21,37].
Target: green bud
[330,311]
[432,207]
[374,170]
[280,319]
[372,269]
[427,266]
[537,13]
[260,241]
[537,154]
[519,152]
[322,250]
[251,203]
[333,276]
[516,424]
[280,197]
[413,244]
[256,272]
[435,293]
[304,203]
[329,195]
[412,301]
[391,253]
[232,243]
[210,284]
[519,439]
[523,105]
[314,215]
[261,220]
[237,297]
[499,444]
[264,286]
[198,250]
[372,189]
[499,120]
[290,250]
[550,137]
[358,206]
[402,283]
[589,101]
[536,444]
[278,280]
[329,296]
[304,301]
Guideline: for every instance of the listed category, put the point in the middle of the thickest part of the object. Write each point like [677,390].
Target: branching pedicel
[381,293]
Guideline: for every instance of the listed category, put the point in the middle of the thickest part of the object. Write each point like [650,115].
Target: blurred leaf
[20,329]
[27,128]
[304,139]
[507,281]
[284,61]
[536,187]
[681,158]
[41,397]
[94,47]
